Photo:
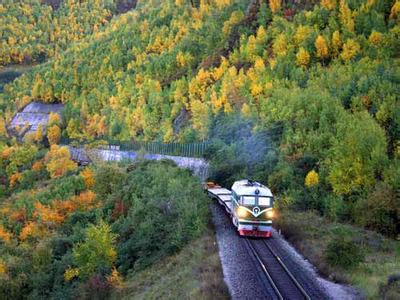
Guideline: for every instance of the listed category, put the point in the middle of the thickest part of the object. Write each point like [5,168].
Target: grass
[195,273]
[311,234]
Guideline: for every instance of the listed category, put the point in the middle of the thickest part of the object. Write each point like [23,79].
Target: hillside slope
[33,30]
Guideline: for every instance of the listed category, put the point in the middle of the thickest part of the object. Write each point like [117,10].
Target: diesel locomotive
[250,205]
[252,208]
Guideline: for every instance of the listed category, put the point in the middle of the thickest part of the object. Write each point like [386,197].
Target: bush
[333,207]
[107,177]
[344,253]
[167,208]
[380,210]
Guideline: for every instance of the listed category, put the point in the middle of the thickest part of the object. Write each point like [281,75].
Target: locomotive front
[252,208]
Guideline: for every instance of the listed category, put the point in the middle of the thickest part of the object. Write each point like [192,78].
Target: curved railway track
[284,284]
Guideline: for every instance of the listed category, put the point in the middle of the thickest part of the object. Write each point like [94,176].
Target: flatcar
[251,208]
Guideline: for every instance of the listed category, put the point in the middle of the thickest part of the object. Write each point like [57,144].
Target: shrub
[167,208]
[333,207]
[380,210]
[343,253]
[97,251]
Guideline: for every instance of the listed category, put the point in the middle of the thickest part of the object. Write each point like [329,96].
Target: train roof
[249,187]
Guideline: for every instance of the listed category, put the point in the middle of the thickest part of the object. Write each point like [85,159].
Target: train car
[251,208]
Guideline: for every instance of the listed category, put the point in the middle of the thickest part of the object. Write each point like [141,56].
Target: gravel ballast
[244,277]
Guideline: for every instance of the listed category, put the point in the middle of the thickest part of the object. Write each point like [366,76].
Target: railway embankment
[378,258]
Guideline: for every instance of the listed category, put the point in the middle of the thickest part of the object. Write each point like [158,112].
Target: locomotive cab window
[248,200]
[264,201]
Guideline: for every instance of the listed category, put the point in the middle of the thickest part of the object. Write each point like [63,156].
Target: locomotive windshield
[251,200]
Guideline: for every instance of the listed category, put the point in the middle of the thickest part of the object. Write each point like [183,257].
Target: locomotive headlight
[270,214]
[242,212]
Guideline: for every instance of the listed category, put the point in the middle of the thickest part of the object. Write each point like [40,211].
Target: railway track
[284,284]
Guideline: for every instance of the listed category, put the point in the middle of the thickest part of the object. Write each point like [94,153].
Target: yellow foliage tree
[311,179]
[4,234]
[31,229]
[329,4]
[88,177]
[54,119]
[336,43]
[3,130]
[346,16]
[39,134]
[256,89]
[395,11]
[302,58]
[54,134]
[301,33]
[115,279]
[322,47]
[37,166]
[200,118]
[47,215]
[85,200]
[259,64]
[350,49]
[222,3]
[3,268]
[280,45]
[58,161]
[261,35]
[275,5]
[14,179]
[71,273]
[375,38]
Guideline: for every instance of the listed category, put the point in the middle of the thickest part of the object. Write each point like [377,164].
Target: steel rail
[295,281]
[263,267]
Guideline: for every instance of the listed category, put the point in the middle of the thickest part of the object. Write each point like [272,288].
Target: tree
[58,161]
[88,177]
[346,16]
[322,47]
[329,4]
[395,11]
[302,58]
[3,130]
[275,5]
[280,45]
[358,155]
[375,38]
[336,43]
[311,179]
[4,234]
[39,134]
[350,49]
[54,134]
[200,118]
[54,119]
[97,251]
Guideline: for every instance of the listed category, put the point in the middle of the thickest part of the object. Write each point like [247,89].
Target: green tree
[358,155]
[97,251]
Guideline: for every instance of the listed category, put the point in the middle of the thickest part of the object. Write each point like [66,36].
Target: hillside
[34,30]
[325,77]
[300,95]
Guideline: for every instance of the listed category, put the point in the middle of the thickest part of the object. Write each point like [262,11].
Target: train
[250,205]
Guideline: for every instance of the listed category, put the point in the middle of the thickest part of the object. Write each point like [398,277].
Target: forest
[301,95]
[325,77]
[33,31]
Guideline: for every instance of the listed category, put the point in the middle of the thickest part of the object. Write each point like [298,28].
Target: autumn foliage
[58,161]
[54,134]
